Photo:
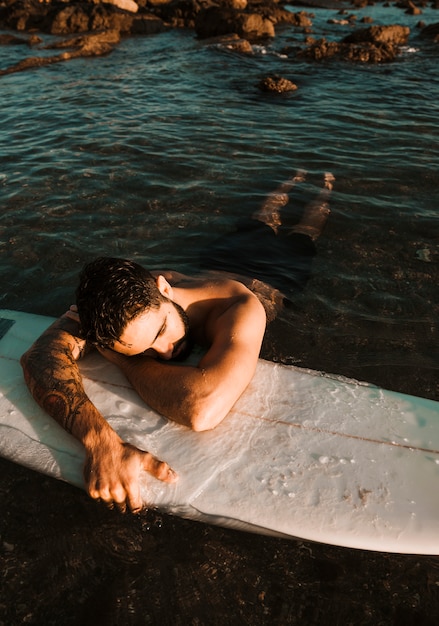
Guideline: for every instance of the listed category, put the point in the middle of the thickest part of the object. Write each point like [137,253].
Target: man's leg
[269,213]
[262,249]
[317,212]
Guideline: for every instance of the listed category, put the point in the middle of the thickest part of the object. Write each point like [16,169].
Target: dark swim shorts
[282,260]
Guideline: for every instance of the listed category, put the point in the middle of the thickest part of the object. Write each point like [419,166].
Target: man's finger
[159,469]
[122,506]
[119,497]
[134,501]
[72,316]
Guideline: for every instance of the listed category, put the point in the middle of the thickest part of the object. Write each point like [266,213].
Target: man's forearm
[182,393]
[167,388]
[54,380]
[112,466]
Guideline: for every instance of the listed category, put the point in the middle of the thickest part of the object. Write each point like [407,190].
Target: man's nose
[164,349]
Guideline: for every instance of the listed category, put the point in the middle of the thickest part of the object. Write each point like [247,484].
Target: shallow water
[151,153]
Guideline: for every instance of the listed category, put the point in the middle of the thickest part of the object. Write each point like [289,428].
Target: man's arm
[112,466]
[201,396]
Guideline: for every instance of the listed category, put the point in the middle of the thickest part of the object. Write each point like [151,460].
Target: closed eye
[162,329]
[160,332]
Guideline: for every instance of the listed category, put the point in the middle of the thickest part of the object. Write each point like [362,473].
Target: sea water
[158,148]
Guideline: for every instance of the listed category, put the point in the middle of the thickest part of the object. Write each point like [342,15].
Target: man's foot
[299,177]
[328,180]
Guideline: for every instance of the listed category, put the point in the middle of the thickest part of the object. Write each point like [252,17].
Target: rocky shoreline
[94,27]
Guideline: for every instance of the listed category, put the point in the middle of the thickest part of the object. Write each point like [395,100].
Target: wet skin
[222,315]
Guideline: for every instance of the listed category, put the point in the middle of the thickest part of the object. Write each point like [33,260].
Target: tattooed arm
[112,466]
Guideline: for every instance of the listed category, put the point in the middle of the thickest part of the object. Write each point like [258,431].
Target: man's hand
[112,471]
[78,345]
[72,313]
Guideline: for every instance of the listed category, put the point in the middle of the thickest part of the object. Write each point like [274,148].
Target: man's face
[159,332]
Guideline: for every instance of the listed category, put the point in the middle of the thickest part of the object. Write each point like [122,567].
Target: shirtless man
[144,322]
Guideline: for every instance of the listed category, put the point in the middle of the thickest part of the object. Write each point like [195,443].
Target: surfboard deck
[301,455]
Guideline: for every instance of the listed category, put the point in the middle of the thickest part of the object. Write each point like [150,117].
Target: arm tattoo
[54,380]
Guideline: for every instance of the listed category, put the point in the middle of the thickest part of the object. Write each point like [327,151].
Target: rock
[91,42]
[151,3]
[23,15]
[245,20]
[412,9]
[97,44]
[125,5]
[370,53]
[83,17]
[279,15]
[393,35]
[377,44]
[217,21]
[147,24]
[34,40]
[71,19]
[431,32]
[8,547]
[12,40]
[63,18]
[277,84]
[320,49]
[180,13]
[238,5]
[231,42]
[212,18]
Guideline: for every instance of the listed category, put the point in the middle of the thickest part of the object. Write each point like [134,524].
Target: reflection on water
[141,154]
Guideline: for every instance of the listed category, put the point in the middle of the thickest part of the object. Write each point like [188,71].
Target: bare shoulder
[172,276]
[211,283]
[236,315]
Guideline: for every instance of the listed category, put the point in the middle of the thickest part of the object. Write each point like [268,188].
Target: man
[144,322]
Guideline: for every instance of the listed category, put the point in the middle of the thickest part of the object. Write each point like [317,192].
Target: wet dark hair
[111,293]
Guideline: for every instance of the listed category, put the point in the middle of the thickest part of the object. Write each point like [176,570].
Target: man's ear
[164,287]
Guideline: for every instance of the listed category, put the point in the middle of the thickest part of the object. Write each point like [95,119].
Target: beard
[183,347]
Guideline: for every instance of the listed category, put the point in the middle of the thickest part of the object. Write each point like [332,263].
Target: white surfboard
[302,454]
